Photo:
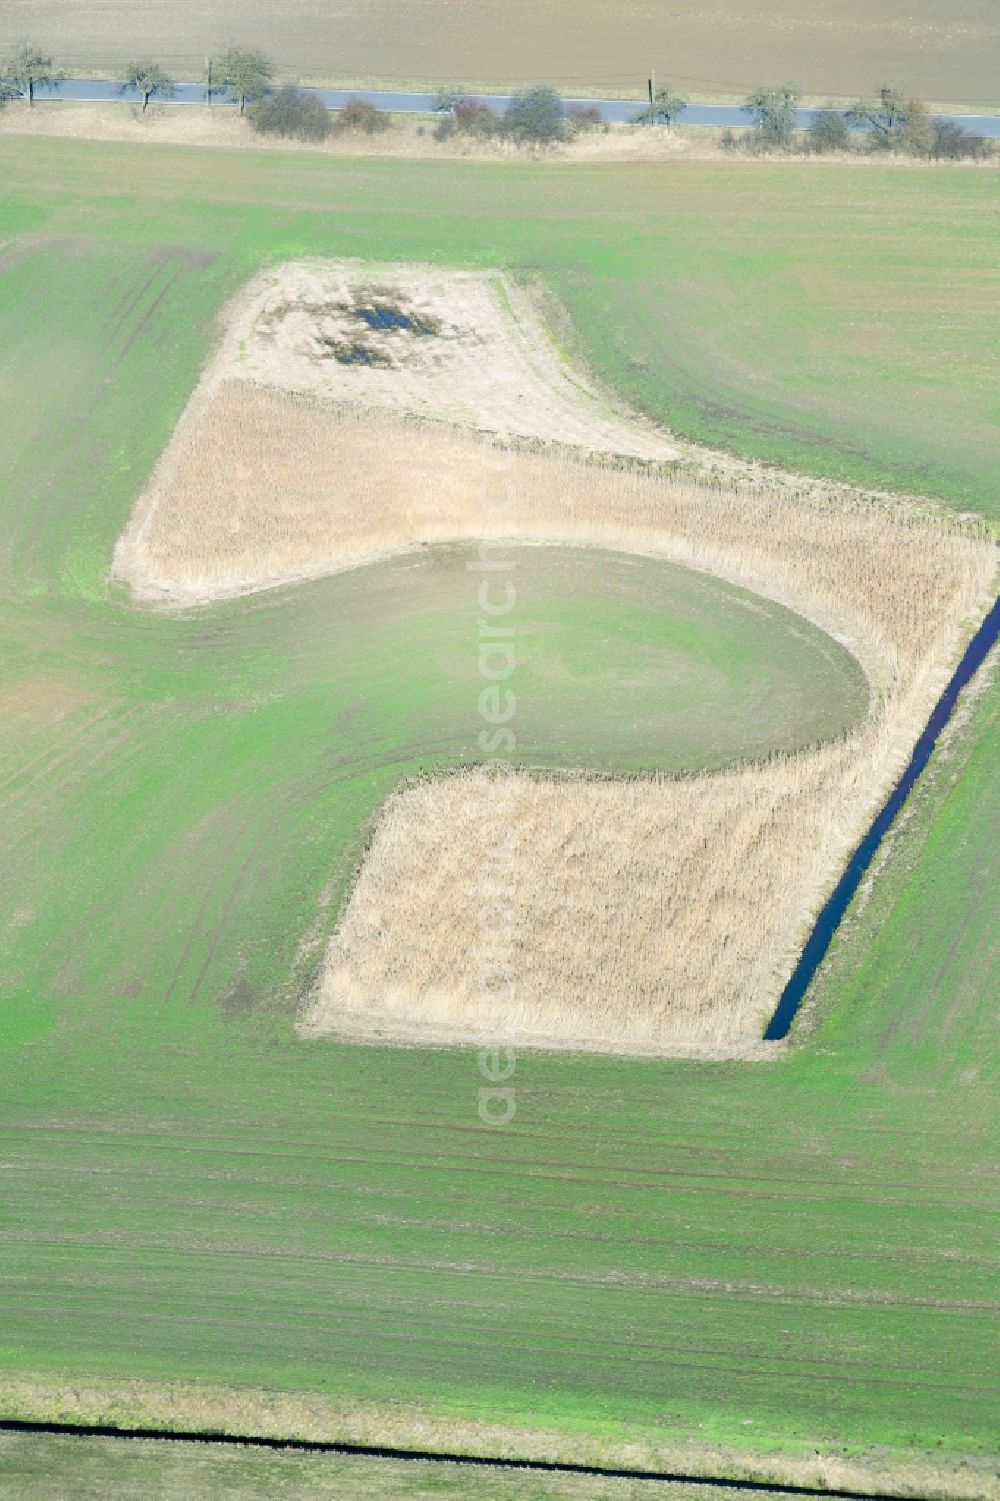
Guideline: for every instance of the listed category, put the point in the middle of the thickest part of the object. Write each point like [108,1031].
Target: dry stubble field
[944,51]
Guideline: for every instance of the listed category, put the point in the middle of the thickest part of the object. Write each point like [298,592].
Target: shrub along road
[399,102]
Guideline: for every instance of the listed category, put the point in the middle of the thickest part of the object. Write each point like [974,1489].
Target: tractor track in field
[284,803]
[44,767]
[445,1457]
[91,372]
[695,1363]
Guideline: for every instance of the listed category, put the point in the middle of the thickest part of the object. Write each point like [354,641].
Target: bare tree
[244,74]
[291,111]
[446,101]
[147,79]
[951,140]
[666,107]
[362,116]
[886,115]
[26,68]
[917,135]
[472,117]
[773,112]
[583,117]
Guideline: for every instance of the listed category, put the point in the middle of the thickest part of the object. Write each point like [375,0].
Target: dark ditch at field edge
[836,906]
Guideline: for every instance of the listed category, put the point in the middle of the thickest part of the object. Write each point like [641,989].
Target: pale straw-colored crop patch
[657,915]
[651,915]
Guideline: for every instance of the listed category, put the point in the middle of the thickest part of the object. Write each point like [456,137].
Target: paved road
[613,109]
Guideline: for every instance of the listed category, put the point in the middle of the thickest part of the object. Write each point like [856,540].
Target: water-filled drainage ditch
[473,1461]
[836,906]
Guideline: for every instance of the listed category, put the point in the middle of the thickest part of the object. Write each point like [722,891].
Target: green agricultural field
[655,1258]
[942,49]
[43,1468]
[840,319]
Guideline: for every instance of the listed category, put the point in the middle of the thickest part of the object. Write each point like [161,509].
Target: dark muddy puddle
[393,317]
[355,352]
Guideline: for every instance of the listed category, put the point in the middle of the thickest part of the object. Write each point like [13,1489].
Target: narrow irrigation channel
[832,914]
[422,1456]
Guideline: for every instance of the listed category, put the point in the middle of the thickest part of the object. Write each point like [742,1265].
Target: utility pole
[208,71]
[652,96]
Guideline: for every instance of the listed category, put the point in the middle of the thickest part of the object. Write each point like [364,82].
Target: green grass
[45,1468]
[789,1257]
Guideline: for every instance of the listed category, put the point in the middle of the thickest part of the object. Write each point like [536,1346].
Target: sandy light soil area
[464,347]
[353,412]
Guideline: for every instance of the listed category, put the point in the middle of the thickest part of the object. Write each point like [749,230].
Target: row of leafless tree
[537,115]
[890,122]
[239,74]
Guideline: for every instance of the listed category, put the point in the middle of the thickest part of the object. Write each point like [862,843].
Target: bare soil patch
[463,347]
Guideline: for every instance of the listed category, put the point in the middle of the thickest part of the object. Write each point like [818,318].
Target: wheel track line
[84,364]
[48,761]
[104,365]
[281,802]
[73,772]
[85,924]
[103,763]
[678,1286]
[697,1183]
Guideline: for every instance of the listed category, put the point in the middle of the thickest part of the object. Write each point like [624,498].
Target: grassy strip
[230,1414]
[47,1468]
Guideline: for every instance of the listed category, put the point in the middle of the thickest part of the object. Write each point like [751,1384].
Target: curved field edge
[789,381]
[709,352]
[276,1413]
